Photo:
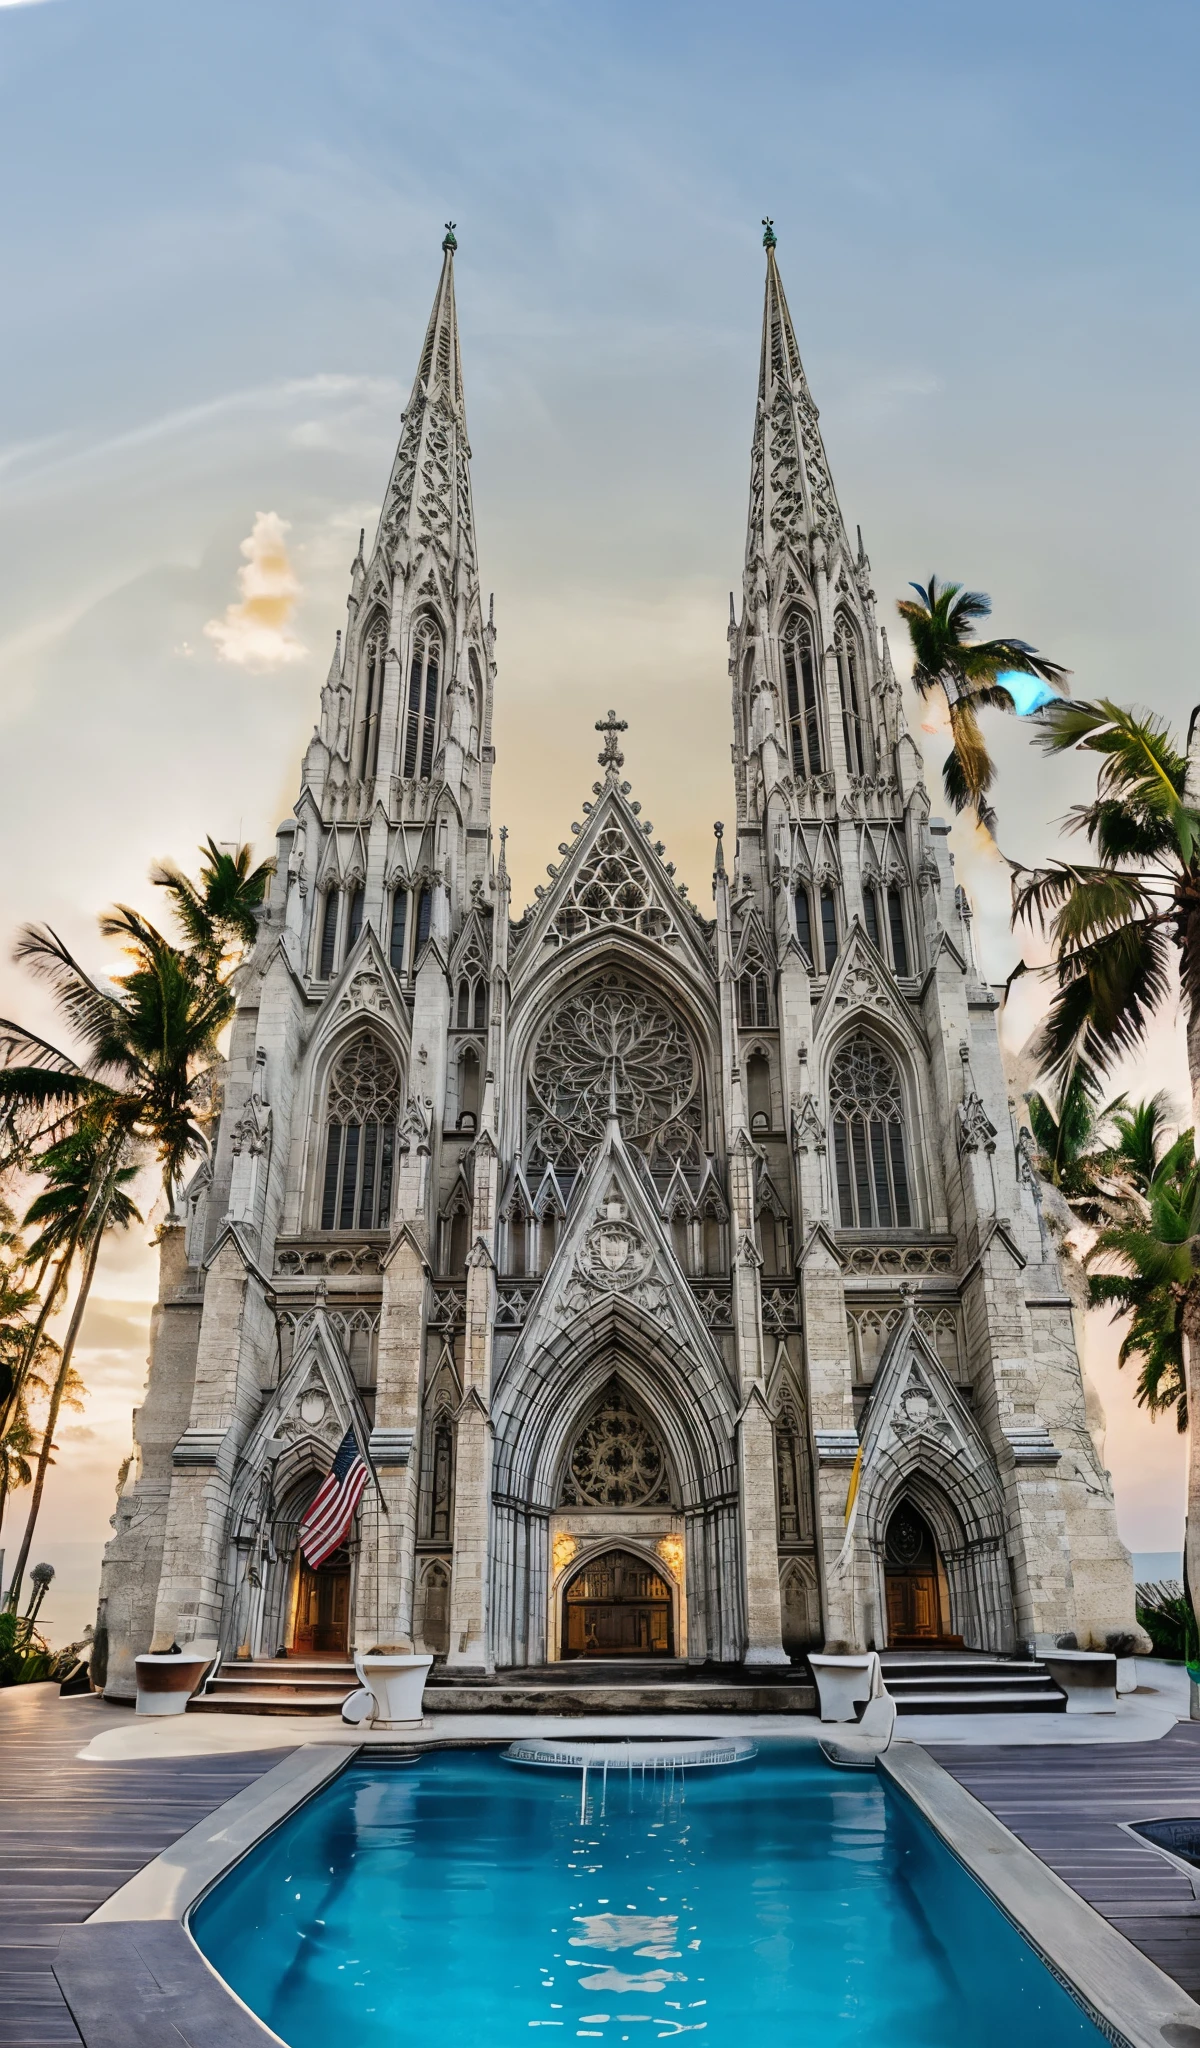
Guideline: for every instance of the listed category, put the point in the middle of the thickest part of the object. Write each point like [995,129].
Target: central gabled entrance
[617,1605]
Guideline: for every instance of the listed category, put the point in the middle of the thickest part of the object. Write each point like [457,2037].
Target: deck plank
[1066,1805]
[74,1831]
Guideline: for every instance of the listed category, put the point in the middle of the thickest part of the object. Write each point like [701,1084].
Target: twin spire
[793,503]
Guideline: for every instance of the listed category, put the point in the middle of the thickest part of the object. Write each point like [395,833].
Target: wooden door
[912,1607]
[617,1606]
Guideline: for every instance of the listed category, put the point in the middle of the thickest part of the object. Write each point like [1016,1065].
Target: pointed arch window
[329,925]
[517,1235]
[360,1138]
[547,1239]
[793,1494]
[354,916]
[471,1014]
[372,699]
[420,726]
[424,921]
[896,929]
[754,999]
[800,678]
[871,913]
[758,1091]
[468,1089]
[399,928]
[870,1164]
[804,922]
[854,726]
[829,929]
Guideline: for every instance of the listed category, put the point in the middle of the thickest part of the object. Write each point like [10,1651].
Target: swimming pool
[460,1900]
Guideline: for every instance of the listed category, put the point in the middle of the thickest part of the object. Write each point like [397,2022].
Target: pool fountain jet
[666,1757]
[673,1756]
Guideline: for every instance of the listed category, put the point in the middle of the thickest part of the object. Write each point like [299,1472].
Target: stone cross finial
[612,758]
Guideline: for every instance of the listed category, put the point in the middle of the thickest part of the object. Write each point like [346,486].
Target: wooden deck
[1065,1804]
[72,1832]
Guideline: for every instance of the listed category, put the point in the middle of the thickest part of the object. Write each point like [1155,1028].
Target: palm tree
[86,1177]
[1119,923]
[218,915]
[1121,926]
[147,1038]
[973,675]
[1149,1261]
[1097,1157]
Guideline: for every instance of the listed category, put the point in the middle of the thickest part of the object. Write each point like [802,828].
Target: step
[259,1681]
[983,1703]
[994,1681]
[267,1700]
[950,1666]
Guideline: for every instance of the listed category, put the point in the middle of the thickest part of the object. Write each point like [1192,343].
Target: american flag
[324,1526]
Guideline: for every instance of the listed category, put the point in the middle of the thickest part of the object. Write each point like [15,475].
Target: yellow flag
[855,1476]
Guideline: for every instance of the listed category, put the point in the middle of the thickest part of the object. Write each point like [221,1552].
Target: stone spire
[427,511]
[793,504]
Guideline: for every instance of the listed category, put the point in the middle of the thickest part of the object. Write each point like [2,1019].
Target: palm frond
[92,1012]
[1109,990]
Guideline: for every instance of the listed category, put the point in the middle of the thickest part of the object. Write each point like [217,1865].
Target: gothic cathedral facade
[614,1229]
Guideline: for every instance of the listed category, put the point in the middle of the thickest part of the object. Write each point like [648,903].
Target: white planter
[166,1680]
[842,1682]
[396,1683]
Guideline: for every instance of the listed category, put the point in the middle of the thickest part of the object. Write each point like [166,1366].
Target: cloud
[256,632]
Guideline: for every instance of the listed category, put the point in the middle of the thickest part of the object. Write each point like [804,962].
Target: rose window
[605,1036]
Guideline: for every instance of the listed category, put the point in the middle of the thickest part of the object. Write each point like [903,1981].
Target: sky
[219,265]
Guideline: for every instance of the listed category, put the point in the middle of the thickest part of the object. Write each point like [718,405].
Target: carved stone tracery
[616,1461]
[604,1034]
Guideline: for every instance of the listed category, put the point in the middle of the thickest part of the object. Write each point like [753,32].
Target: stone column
[470,1645]
[756,1442]
[385,1598]
[835,1439]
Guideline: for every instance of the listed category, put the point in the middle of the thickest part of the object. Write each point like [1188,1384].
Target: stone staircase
[277,1685]
[295,1685]
[968,1682]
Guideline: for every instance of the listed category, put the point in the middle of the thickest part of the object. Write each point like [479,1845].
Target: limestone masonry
[611,1227]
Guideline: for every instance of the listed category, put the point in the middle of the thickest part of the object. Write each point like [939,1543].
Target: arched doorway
[322,1612]
[915,1579]
[617,1605]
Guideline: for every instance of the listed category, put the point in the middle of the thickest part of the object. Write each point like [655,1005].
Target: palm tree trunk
[56,1397]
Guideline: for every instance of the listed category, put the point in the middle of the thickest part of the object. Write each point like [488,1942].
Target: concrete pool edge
[1132,2002]
[133,1976]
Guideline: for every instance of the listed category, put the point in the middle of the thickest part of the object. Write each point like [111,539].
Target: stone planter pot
[1088,1677]
[842,1682]
[396,1682]
[166,1680]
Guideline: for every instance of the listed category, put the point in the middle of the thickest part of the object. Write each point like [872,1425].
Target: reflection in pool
[457,1900]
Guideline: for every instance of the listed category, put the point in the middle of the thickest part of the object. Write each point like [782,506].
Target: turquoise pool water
[461,1900]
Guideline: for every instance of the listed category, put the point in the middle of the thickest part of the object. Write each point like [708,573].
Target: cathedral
[680,1270]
